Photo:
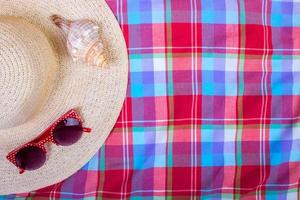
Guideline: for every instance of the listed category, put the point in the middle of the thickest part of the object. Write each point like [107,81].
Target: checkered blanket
[212,109]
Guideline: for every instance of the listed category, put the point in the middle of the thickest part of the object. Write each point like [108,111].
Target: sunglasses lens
[67,132]
[30,158]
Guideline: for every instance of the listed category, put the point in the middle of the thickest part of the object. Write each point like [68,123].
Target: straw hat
[39,82]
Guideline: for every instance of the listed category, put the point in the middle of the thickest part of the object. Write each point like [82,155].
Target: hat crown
[28,65]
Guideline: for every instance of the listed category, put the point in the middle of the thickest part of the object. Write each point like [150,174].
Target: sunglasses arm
[21,171]
[87,130]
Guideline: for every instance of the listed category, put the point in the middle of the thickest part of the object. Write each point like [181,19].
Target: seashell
[83,40]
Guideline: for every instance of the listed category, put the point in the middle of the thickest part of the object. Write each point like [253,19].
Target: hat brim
[98,94]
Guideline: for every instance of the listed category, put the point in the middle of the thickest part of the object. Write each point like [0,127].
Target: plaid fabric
[213,105]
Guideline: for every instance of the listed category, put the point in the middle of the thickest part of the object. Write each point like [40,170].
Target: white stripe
[208,119]
[173,191]
[208,47]
[124,128]
[258,192]
[266,89]
[196,89]
[54,191]
[265,98]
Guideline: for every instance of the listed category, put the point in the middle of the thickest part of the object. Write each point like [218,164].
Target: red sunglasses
[65,131]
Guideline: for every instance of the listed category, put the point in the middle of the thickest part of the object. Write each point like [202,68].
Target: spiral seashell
[83,40]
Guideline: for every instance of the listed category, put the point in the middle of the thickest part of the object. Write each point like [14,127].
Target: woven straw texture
[41,83]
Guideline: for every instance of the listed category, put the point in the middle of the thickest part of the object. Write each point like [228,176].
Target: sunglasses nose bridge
[42,146]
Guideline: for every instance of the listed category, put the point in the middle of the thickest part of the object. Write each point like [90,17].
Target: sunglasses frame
[45,137]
